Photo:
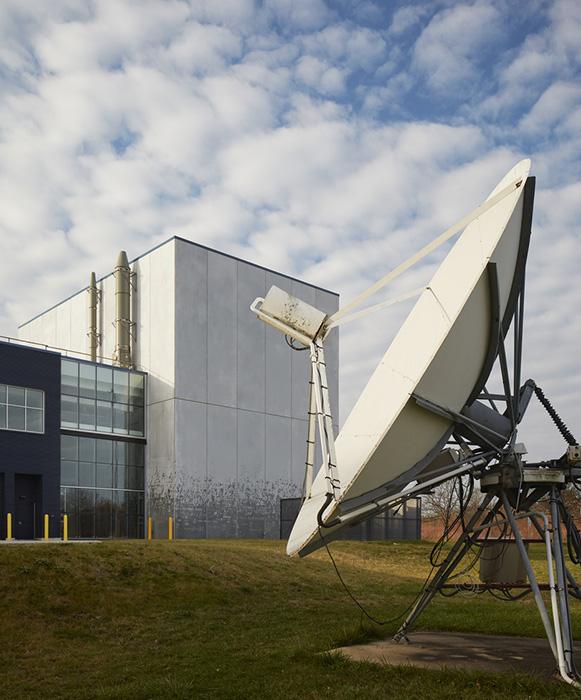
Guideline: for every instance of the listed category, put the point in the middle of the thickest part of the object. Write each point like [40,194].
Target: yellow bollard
[46,526]
[8,526]
[65,528]
[150,528]
[170,528]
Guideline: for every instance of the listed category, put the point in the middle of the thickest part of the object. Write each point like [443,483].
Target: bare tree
[442,503]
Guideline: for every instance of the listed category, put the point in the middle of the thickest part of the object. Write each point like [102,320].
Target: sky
[326,140]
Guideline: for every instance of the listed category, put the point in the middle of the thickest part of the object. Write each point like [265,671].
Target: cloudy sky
[327,140]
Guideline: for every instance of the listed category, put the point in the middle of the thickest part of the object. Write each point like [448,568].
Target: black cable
[573,534]
[368,615]
[292,346]
[557,420]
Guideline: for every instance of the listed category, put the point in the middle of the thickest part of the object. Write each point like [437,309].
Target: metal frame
[560,580]
[320,411]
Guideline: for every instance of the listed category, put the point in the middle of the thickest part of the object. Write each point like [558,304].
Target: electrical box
[501,562]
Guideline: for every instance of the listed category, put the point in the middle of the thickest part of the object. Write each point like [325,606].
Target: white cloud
[320,76]
[408,17]
[240,125]
[552,108]
[303,15]
[448,50]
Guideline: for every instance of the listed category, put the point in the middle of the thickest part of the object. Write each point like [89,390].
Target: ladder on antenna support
[320,413]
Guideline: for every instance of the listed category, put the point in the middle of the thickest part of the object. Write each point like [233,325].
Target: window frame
[120,415]
[6,404]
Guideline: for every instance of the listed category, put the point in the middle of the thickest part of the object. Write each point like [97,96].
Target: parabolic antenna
[442,354]
[425,395]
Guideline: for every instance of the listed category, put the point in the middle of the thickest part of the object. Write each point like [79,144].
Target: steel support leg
[569,575]
[455,555]
[311,435]
[562,588]
[531,576]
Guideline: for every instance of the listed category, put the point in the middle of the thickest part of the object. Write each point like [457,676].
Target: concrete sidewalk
[468,652]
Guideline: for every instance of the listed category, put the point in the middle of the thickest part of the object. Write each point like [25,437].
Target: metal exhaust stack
[93,301]
[122,355]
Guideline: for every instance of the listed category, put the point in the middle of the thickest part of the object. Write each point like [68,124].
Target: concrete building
[226,398]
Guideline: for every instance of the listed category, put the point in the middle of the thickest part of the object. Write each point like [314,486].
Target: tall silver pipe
[93,301]
[122,275]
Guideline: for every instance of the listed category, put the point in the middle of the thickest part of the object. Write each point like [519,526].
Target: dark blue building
[29,440]
[72,441]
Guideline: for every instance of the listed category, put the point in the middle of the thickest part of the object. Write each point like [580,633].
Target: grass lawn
[230,619]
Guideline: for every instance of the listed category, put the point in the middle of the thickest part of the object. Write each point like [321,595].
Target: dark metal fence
[402,523]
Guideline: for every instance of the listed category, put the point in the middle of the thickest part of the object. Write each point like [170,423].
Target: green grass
[230,619]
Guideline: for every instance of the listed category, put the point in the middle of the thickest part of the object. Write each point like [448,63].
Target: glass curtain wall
[102,487]
[102,399]
[102,479]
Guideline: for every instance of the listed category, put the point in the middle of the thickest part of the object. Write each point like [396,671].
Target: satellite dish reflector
[442,355]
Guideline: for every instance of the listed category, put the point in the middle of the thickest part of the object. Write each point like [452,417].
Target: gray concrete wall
[241,398]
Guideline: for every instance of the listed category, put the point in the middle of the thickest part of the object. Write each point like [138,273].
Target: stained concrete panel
[299,450]
[161,434]
[250,493]
[278,449]
[191,292]
[190,439]
[250,341]
[160,461]
[251,446]
[192,485]
[162,324]
[222,443]
[141,313]
[221,330]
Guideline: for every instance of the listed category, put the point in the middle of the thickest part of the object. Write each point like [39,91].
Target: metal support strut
[320,401]
[558,629]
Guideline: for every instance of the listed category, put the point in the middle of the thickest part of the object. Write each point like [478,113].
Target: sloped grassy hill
[227,619]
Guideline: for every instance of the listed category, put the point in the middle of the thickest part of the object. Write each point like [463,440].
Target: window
[120,386]
[102,399]
[104,417]
[136,389]
[102,483]
[70,377]
[87,383]
[69,411]
[21,409]
[86,414]
[105,383]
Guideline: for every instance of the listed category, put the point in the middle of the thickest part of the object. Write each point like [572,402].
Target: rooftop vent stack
[93,301]
[122,355]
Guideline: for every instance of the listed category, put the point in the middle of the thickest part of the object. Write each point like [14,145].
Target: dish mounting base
[510,492]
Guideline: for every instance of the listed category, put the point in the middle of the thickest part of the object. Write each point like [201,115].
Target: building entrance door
[28,506]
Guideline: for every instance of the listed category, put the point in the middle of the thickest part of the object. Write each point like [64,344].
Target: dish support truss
[504,504]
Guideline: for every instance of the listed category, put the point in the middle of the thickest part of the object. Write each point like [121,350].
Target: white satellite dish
[423,395]
[439,354]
